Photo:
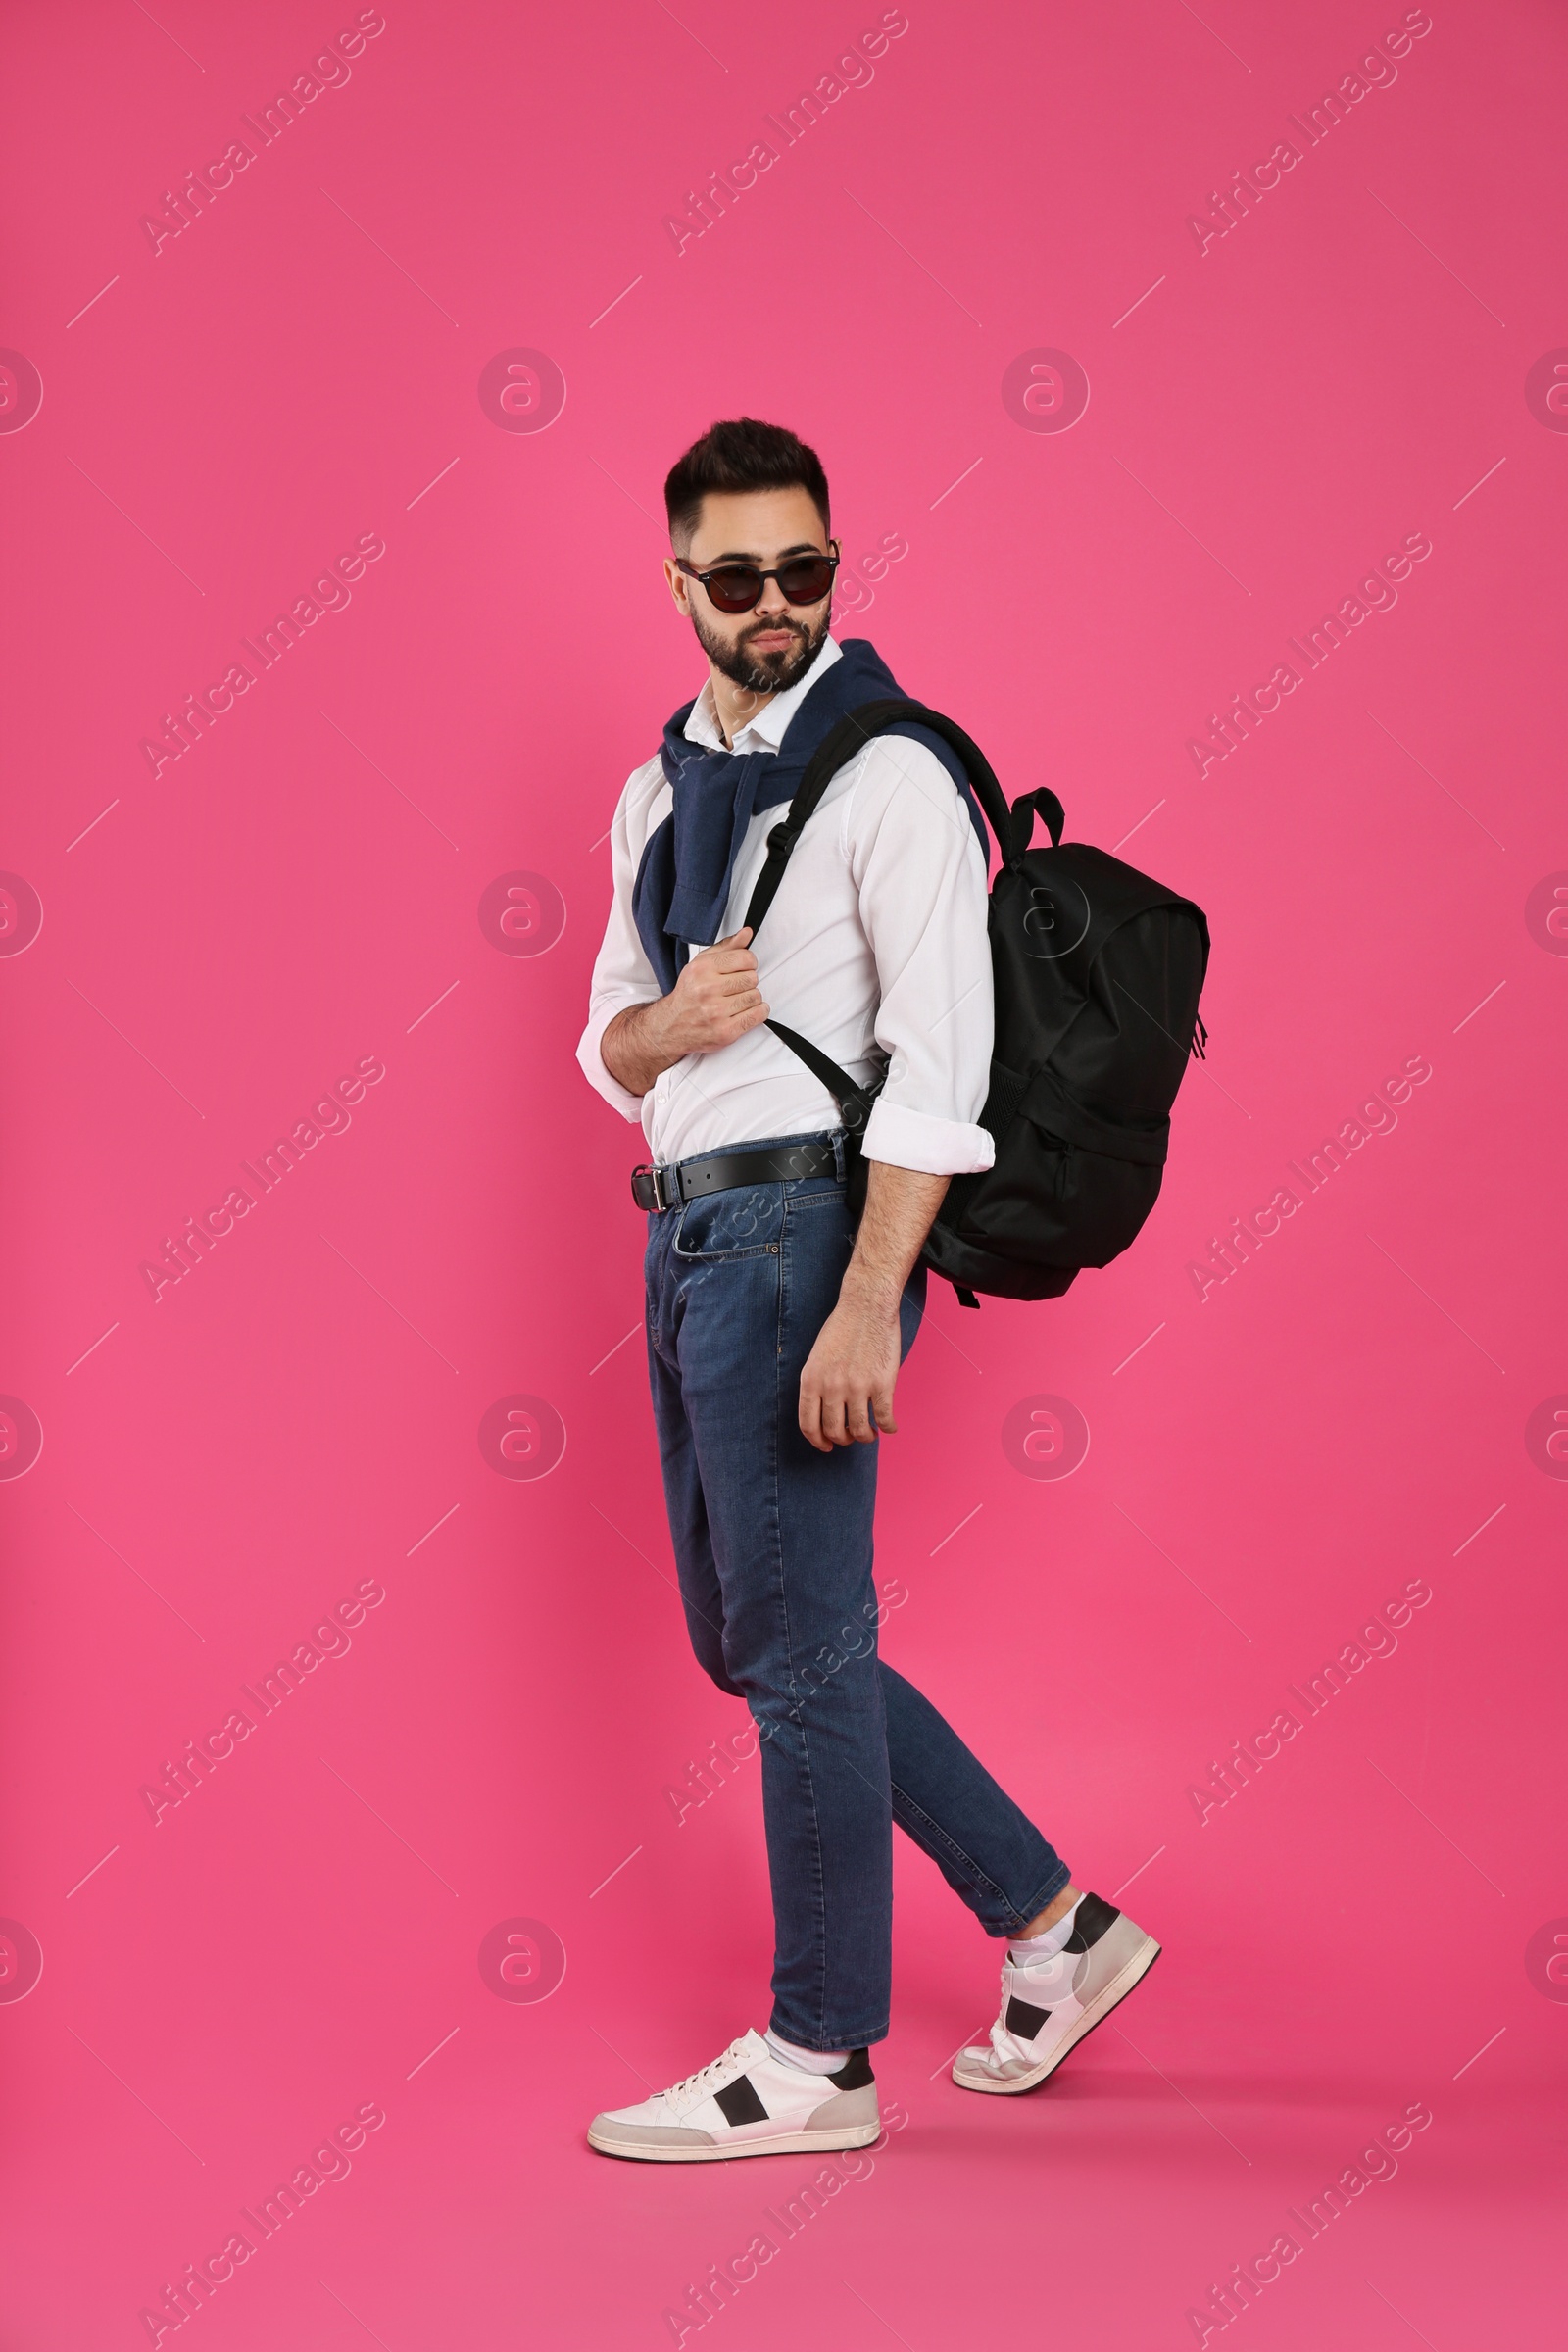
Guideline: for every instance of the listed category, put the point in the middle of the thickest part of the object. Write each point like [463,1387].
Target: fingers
[835,1416]
[828,1419]
[711,1025]
[729,955]
[717,997]
[720,988]
[715,968]
[811,1419]
[847,1383]
[822,1413]
[872,1416]
[731,1019]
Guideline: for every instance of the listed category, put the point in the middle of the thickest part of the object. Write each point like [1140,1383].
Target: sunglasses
[738,587]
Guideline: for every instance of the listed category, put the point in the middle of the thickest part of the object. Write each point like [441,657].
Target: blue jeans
[773,1547]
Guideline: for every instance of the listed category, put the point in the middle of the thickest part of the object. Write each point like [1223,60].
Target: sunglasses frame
[733,613]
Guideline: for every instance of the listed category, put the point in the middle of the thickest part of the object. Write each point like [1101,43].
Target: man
[776,1326]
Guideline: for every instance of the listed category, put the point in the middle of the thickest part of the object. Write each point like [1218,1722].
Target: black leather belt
[658,1189]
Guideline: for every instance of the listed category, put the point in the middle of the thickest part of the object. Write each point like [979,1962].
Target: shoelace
[695,2088]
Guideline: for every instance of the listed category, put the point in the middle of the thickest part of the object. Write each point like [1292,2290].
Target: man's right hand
[714,1001]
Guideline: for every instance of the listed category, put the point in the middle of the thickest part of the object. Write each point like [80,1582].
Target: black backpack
[1097,974]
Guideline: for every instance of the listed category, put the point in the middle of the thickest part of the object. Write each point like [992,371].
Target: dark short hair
[741,454]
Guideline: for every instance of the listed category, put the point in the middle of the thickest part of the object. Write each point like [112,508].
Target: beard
[764,673]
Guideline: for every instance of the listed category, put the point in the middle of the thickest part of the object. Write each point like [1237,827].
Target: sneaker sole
[790,2143]
[1120,1985]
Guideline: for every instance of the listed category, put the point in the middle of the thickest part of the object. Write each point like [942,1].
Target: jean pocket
[746,1221]
[817,1196]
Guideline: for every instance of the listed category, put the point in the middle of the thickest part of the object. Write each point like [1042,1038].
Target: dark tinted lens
[735,587]
[806,580]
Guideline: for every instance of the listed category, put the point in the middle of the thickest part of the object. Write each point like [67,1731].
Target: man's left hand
[847,1386]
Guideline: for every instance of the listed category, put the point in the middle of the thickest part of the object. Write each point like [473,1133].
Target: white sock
[1022,1949]
[810,2062]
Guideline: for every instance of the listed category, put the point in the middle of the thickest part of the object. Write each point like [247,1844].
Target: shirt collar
[764,732]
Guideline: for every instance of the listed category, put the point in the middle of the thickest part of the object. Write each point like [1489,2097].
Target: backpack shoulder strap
[853,1102]
[841,744]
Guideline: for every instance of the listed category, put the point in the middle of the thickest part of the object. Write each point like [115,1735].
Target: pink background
[1366,1926]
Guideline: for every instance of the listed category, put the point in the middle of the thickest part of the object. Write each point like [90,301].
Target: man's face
[769,648]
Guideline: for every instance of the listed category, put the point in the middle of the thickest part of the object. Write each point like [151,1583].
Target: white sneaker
[746,2103]
[1047,2009]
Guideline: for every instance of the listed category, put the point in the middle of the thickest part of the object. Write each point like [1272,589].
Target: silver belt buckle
[649,1190]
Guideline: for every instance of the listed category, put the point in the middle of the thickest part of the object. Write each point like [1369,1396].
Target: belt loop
[838,1154]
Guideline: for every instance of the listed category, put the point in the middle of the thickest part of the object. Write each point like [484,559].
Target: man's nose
[772,601]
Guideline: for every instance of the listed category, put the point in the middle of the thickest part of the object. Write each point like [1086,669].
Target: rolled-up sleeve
[622,974]
[921,881]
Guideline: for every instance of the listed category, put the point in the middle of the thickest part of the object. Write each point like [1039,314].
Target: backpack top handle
[1023,819]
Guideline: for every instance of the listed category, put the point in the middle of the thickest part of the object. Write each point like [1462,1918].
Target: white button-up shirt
[874,949]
